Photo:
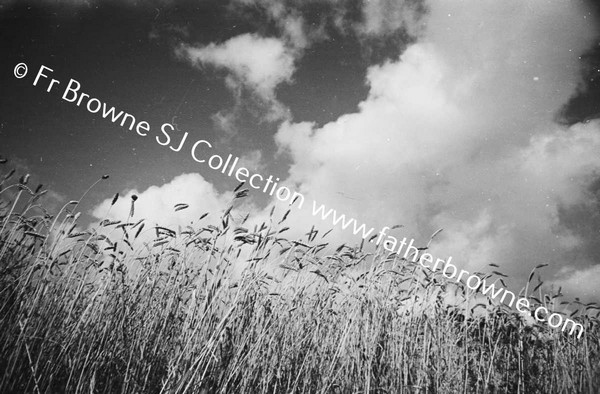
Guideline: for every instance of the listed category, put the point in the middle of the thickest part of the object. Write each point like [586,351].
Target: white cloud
[382,17]
[572,280]
[254,62]
[225,121]
[253,161]
[156,204]
[289,21]
[258,61]
[458,133]
[263,63]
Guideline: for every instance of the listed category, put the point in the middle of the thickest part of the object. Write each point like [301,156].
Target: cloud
[226,122]
[260,62]
[381,17]
[459,133]
[251,61]
[288,19]
[156,204]
[381,26]
[572,280]
[256,65]
[253,161]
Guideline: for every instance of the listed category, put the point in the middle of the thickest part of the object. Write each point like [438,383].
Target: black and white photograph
[300,196]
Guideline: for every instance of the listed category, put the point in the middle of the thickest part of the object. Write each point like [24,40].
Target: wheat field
[229,309]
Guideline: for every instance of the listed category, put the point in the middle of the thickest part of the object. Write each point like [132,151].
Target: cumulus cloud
[459,133]
[382,17]
[260,62]
[156,204]
[251,61]
[258,65]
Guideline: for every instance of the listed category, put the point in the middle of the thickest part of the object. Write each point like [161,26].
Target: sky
[478,117]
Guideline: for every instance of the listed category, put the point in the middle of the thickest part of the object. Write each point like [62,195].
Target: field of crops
[129,307]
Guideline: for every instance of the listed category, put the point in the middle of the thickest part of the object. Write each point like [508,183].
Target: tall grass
[226,309]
